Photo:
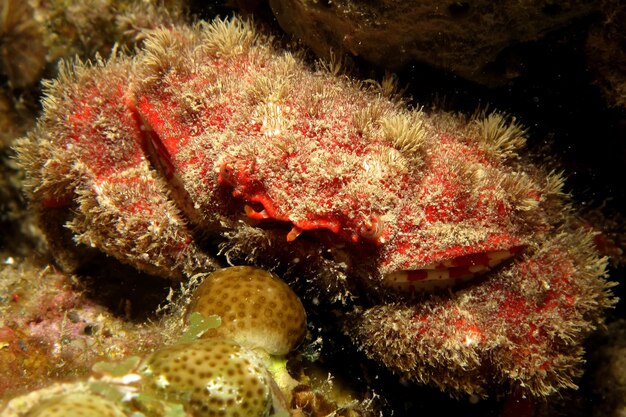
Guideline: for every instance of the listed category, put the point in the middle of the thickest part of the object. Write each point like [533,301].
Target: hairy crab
[211,144]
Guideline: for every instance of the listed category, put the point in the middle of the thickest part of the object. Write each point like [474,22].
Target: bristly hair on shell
[499,134]
[164,51]
[388,88]
[270,89]
[406,131]
[334,65]
[366,119]
[227,37]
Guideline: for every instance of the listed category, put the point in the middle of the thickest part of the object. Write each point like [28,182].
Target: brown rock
[22,55]
[606,52]
[609,372]
[469,39]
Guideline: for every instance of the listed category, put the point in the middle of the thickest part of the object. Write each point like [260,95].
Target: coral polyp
[86,405]
[210,142]
[212,377]
[256,308]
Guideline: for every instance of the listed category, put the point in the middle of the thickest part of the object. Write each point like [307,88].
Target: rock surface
[471,39]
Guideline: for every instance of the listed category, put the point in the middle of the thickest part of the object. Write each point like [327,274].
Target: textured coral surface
[50,330]
[255,308]
[187,372]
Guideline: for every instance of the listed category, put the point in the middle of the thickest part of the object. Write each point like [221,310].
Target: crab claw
[256,215]
[449,272]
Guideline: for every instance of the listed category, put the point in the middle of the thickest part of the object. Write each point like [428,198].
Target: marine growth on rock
[456,262]
[196,377]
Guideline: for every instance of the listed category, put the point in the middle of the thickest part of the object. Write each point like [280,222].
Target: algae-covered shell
[211,377]
[257,309]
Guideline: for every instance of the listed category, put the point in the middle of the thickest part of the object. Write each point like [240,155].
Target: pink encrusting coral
[51,331]
[212,140]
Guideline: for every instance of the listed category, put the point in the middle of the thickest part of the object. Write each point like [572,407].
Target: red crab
[211,142]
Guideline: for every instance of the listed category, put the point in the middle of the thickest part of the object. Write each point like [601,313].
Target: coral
[87,28]
[256,308]
[453,259]
[322,393]
[87,405]
[10,128]
[214,377]
[8,122]
[50,330]
[35,33]
[170,382]
[22,61]
[196,377]
[72,399]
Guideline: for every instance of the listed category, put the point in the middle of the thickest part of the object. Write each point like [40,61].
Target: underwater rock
[11,127]
[87,28]
[35,33]
[22,53]
[470,39]
[606,52]
[50,329]
[449,256]
[608,372]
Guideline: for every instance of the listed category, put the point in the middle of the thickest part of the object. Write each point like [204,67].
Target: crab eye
[227,173]
[372,228]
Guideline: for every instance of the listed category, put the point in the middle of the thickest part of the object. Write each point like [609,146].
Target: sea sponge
[258,309]
[211,377]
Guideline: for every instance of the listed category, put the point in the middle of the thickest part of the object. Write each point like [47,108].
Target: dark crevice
[459,8]
[122,289]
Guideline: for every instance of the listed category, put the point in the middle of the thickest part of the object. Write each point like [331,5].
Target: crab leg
[121,203]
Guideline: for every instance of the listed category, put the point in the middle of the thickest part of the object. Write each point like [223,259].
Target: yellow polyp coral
[76,405]
[211,377]
[204,377]
[257,309]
